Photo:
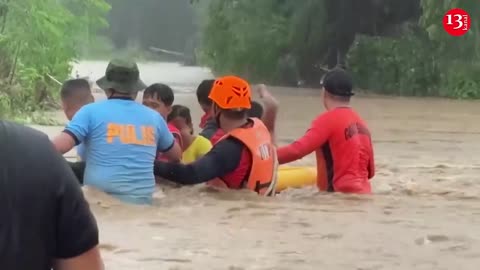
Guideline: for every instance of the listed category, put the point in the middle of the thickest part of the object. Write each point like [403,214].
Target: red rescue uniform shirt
[344,152]
[217,136]
[235,179]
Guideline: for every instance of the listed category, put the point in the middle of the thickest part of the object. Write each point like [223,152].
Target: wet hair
[76,91]
[180,111]
[161,92]
[256,110]
[203,90]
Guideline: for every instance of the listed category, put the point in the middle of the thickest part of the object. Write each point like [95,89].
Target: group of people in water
[124,146]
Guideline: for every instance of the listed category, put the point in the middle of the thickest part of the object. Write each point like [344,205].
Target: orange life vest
[263,172]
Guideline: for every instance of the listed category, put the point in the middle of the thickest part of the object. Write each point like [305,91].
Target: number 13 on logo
[456,22]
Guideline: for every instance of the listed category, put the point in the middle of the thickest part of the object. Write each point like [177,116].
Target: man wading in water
[45,221]
[121,137]
[340,139]
[75,94]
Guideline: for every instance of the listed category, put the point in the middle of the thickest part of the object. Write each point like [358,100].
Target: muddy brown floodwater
[424,214]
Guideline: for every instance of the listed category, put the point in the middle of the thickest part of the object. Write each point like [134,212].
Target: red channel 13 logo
[456,22]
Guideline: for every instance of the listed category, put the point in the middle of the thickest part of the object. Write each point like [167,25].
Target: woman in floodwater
[194,146]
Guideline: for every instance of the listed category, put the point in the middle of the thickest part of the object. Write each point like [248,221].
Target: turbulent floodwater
[424,214]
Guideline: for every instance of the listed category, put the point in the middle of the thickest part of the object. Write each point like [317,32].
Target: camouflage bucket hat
[122,76]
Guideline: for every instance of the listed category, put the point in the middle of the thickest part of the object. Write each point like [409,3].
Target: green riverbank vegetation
[39,39]
[392,47]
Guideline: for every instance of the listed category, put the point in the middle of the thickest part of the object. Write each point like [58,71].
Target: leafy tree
[314,33]
[39,40]
[425,61]
[391,46]
[247,45]
[458,57]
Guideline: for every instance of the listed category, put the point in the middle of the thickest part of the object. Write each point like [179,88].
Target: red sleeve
[217,136]
[316,136]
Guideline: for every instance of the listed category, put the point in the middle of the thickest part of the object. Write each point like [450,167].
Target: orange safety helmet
[231,92]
